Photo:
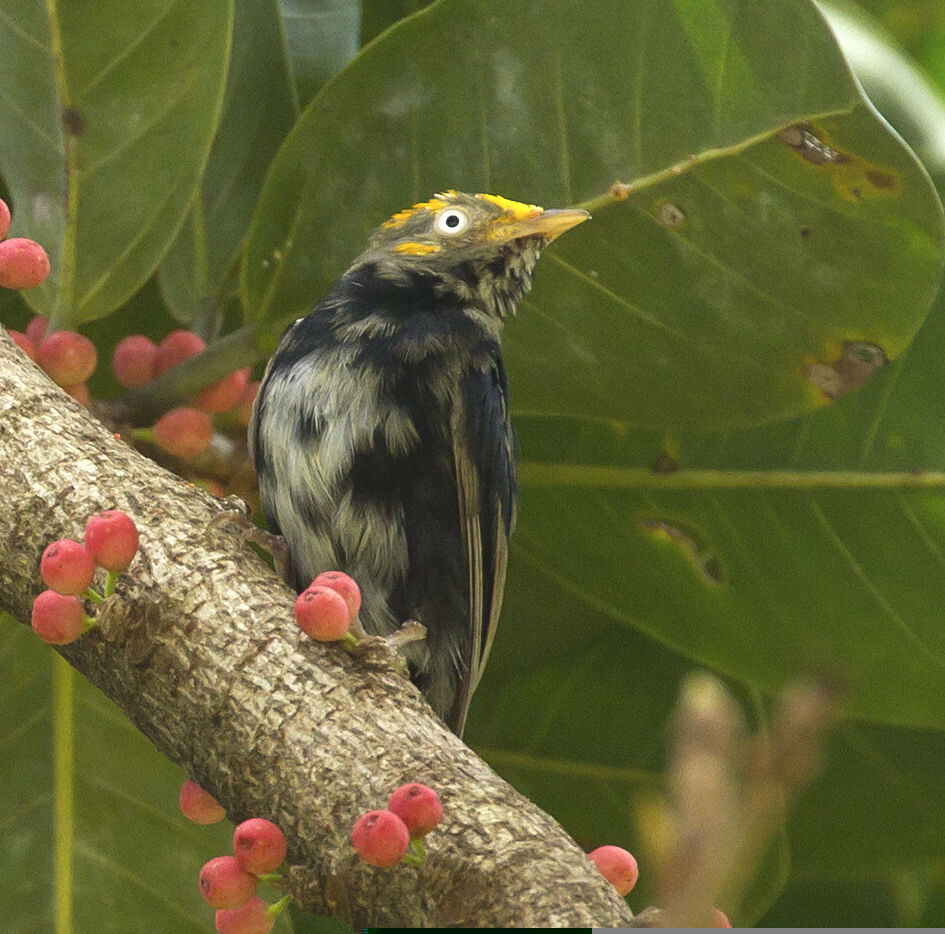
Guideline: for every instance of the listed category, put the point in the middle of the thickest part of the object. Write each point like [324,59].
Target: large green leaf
[108,110]
[282,53]
[93,838]
[258,110]
[378,15]
[771,215]
[573,711]
[91,823]
[321,36]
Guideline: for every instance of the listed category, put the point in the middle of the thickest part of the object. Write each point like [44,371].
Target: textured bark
[199,648]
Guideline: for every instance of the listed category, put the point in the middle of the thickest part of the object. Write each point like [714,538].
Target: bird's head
[481,248]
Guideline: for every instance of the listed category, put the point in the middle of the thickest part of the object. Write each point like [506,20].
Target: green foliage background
[220,170]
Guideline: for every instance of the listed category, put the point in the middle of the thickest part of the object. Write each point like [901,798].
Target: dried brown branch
[199,649]
[727,793]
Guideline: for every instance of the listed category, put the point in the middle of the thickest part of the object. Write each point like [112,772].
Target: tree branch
[199,648]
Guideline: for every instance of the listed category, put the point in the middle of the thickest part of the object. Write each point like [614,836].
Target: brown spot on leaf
[670,215]
[854,178]
[692,545]
[665,463]
[72,121]
[808,144]
[858,362]
[877,179]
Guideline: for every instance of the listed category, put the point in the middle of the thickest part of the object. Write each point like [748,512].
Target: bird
[381,434]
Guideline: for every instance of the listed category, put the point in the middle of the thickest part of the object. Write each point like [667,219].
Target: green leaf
[108,111]
[573,711]
[258,110]
[94,841]
[93,836]
[321,37]
[816,543]
[379,15]
[770,217]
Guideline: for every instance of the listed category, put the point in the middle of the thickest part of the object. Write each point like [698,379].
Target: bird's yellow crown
[514,210]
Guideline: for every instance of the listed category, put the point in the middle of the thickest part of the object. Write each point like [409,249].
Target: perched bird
[381,432]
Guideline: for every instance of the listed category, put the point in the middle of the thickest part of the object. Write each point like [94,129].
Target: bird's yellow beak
[528,220]
[547,224]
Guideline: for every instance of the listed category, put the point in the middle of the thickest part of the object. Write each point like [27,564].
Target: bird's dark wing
[486,486]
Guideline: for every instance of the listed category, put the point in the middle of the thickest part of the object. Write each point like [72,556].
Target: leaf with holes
[573,711]
[752,214]
[108,110]
[816,544]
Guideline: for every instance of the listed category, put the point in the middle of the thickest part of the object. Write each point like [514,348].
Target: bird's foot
[274,545]
[410,631]
[380,648]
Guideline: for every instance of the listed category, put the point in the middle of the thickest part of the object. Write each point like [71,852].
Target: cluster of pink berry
[326,609]
[387,837]
[187,430]
[229,883]
[23,262]
[67,567]
[68,358]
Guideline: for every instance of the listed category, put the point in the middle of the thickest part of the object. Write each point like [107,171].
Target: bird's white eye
[451,221]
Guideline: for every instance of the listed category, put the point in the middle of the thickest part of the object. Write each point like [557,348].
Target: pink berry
[57,619]
[177,347]
[23,263]
[341,583]
[4,219]
[184,432]
[720,919]
[80,393]
[252,918]
[225,884]
[380,838]
[24,343]
[259,845]
[135,361]
[36,329]
[67,357]
[322,613]
[617,866]
[418,807]
[198,805]
[223,395]
[112,538]
[67,566]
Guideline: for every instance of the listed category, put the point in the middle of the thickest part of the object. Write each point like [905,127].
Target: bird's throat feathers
[489,287]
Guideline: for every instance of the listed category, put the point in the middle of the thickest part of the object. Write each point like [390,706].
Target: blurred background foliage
[618,586]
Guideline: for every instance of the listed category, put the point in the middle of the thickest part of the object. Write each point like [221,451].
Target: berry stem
[88,623]
[278,907]
[240,348]
[274,879]
[143,434]
[110,582]
[349,640]
[93,595]
[412,859]
[418,849]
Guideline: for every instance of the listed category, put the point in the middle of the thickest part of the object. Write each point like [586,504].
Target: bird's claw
[382,647]
[274,545]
